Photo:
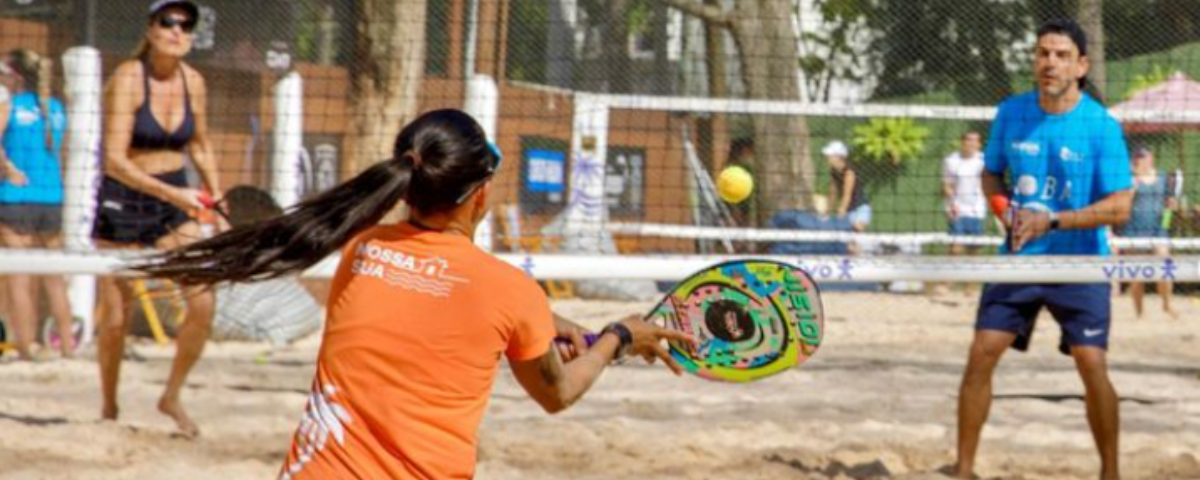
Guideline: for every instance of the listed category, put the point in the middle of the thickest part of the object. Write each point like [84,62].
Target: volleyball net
[613,145]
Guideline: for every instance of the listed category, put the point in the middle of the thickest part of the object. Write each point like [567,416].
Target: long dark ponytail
[436,158]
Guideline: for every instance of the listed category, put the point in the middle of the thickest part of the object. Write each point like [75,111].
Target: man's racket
[751,318]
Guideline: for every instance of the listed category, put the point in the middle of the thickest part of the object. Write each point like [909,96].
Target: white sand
[878,401]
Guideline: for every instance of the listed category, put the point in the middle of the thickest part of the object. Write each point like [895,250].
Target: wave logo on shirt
[426,275]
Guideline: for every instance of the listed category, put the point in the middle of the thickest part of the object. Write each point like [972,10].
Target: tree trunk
[1091,18]
[767,44]
[385,77]
[714,62]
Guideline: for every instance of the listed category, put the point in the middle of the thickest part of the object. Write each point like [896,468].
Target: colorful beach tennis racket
[752,319]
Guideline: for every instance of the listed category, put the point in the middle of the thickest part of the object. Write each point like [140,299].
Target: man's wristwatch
[623,334]
[1053,221]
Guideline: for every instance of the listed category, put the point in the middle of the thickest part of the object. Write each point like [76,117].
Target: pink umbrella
[1171,106]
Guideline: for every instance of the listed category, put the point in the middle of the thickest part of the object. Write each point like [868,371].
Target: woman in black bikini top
[154,113]
[149,134]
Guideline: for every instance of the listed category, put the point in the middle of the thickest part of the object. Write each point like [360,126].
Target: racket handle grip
[206,199]
[589,338]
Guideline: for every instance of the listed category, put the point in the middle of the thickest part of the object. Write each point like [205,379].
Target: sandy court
[878,401]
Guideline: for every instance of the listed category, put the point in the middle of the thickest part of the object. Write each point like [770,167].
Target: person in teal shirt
[1068,165]
[31,192]
[1151,198]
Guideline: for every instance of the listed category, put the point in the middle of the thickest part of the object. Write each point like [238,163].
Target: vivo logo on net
[841,270]
[1123,271]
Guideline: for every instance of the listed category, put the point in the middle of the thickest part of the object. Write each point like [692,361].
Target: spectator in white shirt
[963,190]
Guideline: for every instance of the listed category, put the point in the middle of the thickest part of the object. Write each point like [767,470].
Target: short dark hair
[1071,29]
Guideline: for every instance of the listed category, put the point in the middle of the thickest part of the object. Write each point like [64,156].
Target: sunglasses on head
[494,161]
[497,158]
[168,22]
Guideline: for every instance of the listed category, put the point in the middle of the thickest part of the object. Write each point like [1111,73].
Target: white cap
[836,149]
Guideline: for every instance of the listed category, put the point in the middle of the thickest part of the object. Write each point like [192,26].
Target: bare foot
[109,412]
[174,409]
[68,349]
[953,471]
[1172,313]
[35,355]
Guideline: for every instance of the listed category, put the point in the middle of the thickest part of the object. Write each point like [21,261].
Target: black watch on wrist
[623,334]
[1053,221]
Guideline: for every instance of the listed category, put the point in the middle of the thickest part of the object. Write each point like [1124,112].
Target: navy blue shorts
[966,226]
[1083,311]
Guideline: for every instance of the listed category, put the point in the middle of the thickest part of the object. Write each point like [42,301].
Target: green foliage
[832,53]
[1138,27]
[528,34]
[307,31]
[1146,80]
[437,39]
[638,17]
[891,140]
[952,45]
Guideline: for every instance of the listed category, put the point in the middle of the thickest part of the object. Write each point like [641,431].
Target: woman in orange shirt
[418,316]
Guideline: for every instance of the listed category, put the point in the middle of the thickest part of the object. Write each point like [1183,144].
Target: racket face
[752,319]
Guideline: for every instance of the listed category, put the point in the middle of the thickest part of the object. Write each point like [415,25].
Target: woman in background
[31,193]
[1151,198]
[154,118]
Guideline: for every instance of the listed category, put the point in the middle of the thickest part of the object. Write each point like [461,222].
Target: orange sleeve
[532,324]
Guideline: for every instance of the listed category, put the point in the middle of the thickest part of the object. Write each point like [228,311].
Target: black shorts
[32,218]
[125,215]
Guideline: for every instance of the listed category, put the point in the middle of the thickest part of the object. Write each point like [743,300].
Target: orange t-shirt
[417,321]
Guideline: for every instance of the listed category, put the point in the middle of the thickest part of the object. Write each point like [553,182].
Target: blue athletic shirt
[25,144]
[1059,162]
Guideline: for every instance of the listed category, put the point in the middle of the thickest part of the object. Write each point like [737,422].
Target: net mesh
[618,117]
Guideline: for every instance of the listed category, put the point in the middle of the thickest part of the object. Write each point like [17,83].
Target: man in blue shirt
[1069,167]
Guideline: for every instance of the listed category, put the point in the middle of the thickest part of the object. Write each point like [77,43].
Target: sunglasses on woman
[167,22]
[495,158]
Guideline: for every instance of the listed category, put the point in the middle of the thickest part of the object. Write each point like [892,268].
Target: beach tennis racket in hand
[751,319]
[206,199]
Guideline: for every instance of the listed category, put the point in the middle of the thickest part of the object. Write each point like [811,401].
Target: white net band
[914,239]
[824,269]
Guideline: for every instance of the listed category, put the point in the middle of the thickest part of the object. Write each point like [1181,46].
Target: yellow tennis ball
[734,184]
